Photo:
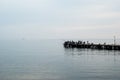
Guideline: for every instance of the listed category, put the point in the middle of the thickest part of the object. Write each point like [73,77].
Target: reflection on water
[95,64]
[75,51]
[92,55]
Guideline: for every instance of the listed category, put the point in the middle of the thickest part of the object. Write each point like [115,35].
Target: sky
[59,19]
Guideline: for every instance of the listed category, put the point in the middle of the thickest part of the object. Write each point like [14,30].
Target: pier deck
[80,44]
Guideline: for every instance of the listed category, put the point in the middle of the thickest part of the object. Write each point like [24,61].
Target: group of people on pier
[83,44]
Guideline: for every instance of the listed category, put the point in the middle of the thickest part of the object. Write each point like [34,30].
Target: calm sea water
[48,60]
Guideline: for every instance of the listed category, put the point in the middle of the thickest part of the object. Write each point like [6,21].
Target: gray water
[48,60]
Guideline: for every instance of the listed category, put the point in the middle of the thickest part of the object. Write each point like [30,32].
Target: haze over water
[49,60]
[27,54]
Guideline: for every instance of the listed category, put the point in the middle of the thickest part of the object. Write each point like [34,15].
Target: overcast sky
[59,19]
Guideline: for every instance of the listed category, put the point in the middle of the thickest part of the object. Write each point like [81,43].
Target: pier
[87,45]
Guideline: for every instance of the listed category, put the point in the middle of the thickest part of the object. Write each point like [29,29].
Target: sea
[47,59]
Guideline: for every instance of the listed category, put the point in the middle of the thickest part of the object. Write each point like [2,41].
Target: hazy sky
[59,19]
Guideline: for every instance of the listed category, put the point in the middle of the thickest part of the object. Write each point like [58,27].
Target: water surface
[48,60]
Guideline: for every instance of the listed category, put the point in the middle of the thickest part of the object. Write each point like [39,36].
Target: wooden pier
[87,45]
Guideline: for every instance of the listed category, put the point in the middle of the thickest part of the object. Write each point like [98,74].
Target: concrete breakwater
[87,45]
